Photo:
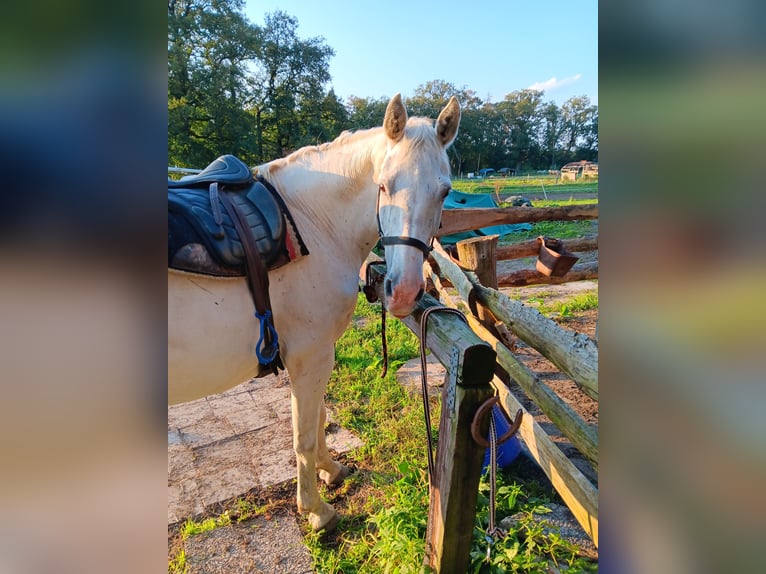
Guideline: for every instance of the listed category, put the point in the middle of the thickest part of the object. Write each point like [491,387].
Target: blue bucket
[510,449]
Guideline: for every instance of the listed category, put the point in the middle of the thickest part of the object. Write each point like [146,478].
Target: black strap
[404,240]
[258,282]
[216,207]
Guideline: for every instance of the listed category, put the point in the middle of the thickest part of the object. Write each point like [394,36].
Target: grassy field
[524,185]
[558,195]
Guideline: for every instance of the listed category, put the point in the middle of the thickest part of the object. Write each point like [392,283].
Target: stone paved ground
[222,446]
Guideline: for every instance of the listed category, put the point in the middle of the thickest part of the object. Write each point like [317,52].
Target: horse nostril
[419,296]
[388,288]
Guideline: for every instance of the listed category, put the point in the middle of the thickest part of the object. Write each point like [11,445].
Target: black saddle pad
[196,242]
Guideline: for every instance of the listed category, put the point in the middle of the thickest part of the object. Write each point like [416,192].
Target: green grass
[178,564]
[384,504]
[521,185]
[192,527]
[566,308]
[557,229]
[558,195]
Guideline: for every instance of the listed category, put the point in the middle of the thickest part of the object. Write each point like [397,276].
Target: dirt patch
[264,536]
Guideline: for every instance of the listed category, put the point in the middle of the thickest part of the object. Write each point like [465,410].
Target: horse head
[413,181]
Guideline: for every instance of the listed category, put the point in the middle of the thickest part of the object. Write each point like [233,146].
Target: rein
[424,380]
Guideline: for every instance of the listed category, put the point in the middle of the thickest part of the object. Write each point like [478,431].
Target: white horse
[387,181]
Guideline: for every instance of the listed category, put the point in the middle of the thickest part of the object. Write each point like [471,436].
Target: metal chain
[493,532]
[383,336]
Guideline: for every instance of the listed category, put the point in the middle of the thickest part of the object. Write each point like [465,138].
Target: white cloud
[554,83]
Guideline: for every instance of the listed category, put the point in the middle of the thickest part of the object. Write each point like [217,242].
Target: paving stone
[341,440]
[222,404]
[272,438]
[272,394]
[188,414]
[206,431]
[226,483]
[409,376]
[276,467]
[253,418]
[181,463]
[183,500]
[282,409]
[222,446]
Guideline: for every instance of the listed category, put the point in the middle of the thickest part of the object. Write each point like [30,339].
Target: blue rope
[269,339]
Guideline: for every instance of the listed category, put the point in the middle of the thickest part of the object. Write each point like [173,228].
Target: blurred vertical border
[682,313]
[82,290]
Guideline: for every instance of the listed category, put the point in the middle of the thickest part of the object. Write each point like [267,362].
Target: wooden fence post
[454,488]
[479,254]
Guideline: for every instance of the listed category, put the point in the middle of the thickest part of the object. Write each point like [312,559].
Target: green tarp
[459,200]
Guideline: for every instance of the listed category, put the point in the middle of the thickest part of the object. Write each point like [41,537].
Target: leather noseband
[400,239]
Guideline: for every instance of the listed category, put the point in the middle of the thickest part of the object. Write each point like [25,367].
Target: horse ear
[448,122]
[395,119]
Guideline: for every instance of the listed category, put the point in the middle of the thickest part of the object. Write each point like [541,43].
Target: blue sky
[493,48]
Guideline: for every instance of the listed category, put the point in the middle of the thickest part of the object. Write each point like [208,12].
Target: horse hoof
[327,526]
[331,524]
[335,481]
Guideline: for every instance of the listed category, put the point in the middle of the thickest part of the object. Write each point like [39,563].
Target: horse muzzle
[401,298]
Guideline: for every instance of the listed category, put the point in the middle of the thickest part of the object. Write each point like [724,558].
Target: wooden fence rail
[531,248]
[582,435]
[575,354]
[458,220]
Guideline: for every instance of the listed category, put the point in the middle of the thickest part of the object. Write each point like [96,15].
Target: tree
[366,112]
[428,101]
[287,72]
[550,135]
[210,43]
[521,117]
[577,117]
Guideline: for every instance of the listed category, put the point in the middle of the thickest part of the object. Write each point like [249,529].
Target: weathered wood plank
[457,220]
[583,436]
[574,353]
[470,366]
[479,254]
[446,331]
[525,277]
[574,488]
[532,247]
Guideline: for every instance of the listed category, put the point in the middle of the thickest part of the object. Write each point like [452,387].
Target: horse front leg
[307,414]
[330,471]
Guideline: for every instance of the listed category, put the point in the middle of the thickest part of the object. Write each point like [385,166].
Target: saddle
[253,232]
[202,236]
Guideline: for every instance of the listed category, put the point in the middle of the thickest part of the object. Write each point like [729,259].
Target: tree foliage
[259,92]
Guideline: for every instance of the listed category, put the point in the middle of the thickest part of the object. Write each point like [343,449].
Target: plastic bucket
[510,449]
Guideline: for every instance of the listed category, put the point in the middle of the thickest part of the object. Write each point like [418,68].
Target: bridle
[399,239]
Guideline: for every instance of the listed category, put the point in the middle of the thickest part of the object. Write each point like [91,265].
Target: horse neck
[330,188]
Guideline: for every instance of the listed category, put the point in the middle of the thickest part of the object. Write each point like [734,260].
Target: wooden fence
[479,363]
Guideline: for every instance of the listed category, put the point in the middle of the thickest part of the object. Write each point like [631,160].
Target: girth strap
[267,348]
